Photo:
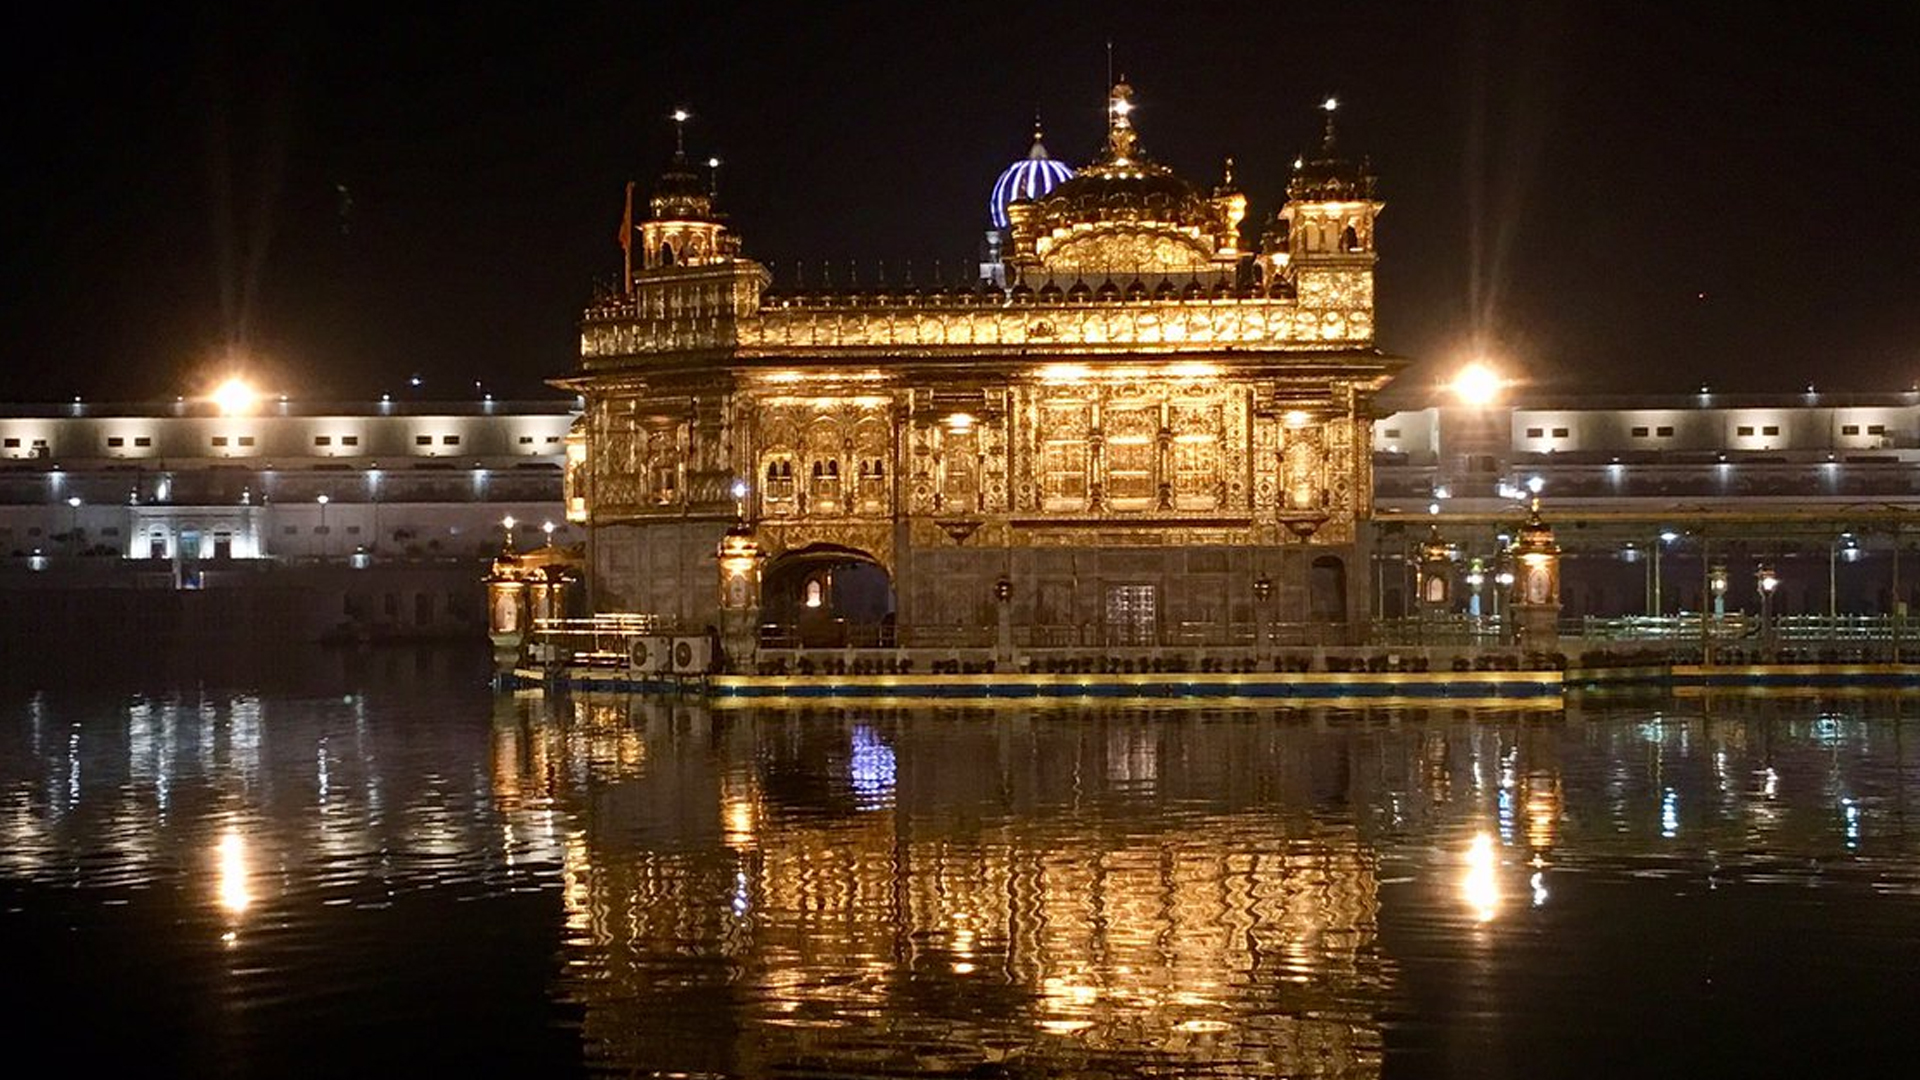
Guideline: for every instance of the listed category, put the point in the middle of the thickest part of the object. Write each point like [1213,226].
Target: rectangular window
[1639,433]
[353,530]
[526,440]
[142,440]
[1559,433]
[246,440]
[423,440]
[323,440]
[1849,429]
[450,440]
[219,440]
[116,441]
[1535,433]
[1770,429]
[1746,429]
[1663,432]
[12,443]
[322,530]
[1876,429]
[552,439]
[349,440]
[1392,433]
[290,530]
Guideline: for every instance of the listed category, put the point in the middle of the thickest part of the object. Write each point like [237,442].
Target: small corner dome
[1029,178]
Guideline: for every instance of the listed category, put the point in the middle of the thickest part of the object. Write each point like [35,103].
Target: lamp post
[1667,536]
[1768,581]
[73,523]
[1843,546]
[506,529]
[325,536]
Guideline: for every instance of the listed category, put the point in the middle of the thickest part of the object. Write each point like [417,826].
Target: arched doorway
[825,596]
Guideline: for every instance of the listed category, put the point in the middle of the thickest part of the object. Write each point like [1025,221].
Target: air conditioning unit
[692,655]
[650,655]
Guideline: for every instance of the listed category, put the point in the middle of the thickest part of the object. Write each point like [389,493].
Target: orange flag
[626,242]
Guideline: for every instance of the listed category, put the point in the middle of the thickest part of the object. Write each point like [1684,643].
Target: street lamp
[73,522]
[1717,584]
[1478,385]
[1768,582]
[1667,536]
[1842,547]
[506,527]
[325,535]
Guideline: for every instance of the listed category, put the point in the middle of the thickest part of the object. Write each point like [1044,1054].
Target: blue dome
[1029,178]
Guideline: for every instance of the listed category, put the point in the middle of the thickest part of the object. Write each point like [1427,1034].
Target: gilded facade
[1135,432]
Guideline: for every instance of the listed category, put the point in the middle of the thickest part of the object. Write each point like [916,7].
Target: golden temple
[1134,431]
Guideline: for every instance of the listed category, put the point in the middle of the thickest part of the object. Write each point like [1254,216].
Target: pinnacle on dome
[1325,176]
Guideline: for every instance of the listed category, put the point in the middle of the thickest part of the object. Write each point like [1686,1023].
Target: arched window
[815,595]
[1350,240]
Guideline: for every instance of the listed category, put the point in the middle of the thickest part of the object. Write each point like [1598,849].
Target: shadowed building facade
[1133,431]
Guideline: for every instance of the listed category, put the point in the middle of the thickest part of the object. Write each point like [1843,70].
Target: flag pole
[626,244]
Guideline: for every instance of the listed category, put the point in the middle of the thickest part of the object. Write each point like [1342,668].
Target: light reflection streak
[1479,887]
[231,856]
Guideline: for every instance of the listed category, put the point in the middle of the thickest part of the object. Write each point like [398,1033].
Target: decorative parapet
[1334,312]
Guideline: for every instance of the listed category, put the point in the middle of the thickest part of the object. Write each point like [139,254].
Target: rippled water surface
[383,867]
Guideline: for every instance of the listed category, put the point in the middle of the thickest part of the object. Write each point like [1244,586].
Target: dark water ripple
[423,876]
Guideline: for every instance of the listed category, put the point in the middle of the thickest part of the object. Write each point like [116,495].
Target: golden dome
[1126,213]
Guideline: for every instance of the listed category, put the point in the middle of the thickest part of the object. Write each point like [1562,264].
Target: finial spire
[713,177]
[1122,143]
[1226,173]
[680,118]
[1326,139]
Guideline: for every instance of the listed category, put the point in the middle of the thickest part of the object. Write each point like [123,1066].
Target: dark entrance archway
[825,596]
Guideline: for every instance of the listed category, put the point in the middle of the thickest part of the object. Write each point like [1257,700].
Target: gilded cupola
[1125,213]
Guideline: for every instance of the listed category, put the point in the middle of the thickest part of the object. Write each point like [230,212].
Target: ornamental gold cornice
[1337,316]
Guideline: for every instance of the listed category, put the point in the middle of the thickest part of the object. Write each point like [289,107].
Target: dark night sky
[1615,196]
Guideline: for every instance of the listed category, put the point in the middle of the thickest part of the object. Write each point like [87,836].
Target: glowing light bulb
[234,396]
[681,116]
[1478,385]
[1330,104]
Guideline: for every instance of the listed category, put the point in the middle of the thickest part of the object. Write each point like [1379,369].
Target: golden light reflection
[232,870]
[1478,886]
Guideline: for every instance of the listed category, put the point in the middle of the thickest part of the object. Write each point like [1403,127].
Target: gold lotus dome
[1126,213]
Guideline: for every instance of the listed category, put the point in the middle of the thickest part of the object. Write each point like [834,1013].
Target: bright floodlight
[1330,104]
[1478,385]
[681,116]
[234,396]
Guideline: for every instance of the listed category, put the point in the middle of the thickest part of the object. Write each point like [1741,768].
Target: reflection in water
[924,892]
[1479,886]
[232,856]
